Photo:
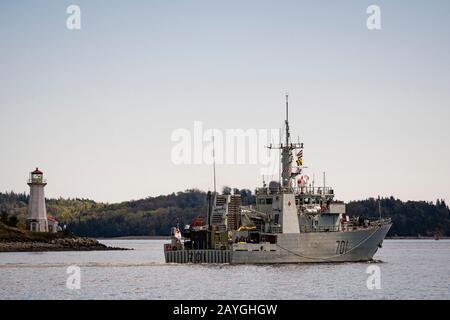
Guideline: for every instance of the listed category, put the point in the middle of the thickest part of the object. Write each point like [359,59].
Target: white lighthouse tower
[37,213]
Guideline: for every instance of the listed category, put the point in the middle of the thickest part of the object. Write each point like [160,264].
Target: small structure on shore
[53,224]
[37,212]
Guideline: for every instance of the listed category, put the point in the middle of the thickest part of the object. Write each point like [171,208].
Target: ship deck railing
[348,226]
[307,229]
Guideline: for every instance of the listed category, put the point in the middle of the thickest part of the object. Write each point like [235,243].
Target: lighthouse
[37,213]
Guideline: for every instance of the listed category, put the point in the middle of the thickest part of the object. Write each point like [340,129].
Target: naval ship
[293,221]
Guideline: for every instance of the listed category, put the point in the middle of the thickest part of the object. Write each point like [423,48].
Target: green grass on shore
[8,233]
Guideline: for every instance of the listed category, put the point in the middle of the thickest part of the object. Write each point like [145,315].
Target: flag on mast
[299,158]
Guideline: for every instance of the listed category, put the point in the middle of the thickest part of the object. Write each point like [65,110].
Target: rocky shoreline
[13,239]
[63,244]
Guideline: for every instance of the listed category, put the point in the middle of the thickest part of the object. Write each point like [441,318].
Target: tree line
[154,216]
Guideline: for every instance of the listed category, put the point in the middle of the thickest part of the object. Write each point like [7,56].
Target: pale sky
[95,108]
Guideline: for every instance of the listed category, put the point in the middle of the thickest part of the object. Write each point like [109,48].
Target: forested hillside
[155,215]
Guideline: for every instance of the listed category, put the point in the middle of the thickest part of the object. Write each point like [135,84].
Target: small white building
[53,224]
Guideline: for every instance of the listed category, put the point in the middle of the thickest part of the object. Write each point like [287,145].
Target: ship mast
[214,163]
[287,119]
[286,152]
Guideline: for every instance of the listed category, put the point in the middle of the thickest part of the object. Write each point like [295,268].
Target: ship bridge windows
[265,201]
[308,200]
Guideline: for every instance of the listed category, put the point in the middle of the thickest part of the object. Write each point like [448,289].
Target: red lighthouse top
[36,178]
[37,171]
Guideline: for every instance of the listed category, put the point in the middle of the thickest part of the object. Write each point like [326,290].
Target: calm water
[410,269]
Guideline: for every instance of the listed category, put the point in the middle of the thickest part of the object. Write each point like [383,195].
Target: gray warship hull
[311,247]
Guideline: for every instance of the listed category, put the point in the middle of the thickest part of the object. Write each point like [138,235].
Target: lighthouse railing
[37,181]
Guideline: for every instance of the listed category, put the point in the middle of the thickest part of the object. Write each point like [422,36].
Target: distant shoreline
[136,238]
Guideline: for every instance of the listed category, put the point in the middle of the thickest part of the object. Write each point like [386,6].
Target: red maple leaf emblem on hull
[289,203]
